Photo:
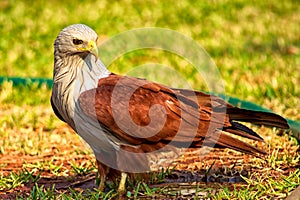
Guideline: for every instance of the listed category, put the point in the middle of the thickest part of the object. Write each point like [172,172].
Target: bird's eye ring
[77,41]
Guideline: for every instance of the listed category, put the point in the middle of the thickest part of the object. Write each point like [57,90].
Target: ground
[63,164]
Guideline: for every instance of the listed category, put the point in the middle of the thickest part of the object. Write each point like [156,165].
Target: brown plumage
[123,118]
[173,103]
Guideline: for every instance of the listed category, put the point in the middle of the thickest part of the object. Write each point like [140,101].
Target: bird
[124,119]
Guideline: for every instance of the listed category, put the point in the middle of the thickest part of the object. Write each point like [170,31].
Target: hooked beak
[92,48]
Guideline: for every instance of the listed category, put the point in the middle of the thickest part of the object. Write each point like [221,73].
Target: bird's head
[77,39]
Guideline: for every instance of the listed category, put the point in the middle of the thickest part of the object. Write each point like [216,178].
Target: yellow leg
[122,186]
[102,182]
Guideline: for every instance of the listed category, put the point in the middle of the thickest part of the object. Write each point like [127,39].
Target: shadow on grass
[176,183]
[58,184]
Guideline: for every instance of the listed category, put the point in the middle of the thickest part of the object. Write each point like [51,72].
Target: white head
[76,68]
[76,39]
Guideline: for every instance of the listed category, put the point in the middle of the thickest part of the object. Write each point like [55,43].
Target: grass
[254,44]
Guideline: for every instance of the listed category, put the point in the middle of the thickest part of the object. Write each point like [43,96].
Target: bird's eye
[77,41]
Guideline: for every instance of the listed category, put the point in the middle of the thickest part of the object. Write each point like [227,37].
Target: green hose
[17,81]
[294,125]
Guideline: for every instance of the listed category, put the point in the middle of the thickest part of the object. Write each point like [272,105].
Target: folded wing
[151,115]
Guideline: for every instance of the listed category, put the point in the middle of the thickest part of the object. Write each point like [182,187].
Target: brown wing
[111,93]
[179,118]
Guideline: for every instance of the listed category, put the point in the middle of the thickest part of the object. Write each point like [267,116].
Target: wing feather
[190,116]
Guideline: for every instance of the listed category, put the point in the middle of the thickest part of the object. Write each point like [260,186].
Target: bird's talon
[102,183]
[121,188]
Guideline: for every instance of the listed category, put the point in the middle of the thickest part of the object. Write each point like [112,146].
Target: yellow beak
[92,48]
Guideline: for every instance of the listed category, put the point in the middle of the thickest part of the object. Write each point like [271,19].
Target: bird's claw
[121,188]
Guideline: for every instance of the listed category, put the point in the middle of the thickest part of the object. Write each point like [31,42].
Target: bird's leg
[102,173]
[102,183]
[121,188]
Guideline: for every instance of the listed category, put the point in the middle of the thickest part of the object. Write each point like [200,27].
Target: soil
[190,169]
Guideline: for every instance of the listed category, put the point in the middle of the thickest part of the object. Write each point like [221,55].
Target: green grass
[245,39]
[255,45]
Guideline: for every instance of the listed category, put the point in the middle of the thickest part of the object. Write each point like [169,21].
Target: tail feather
[223,140]
[238,145]
[242,130]
[257,117]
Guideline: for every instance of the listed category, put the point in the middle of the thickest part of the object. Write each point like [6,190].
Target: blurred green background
[255,44]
